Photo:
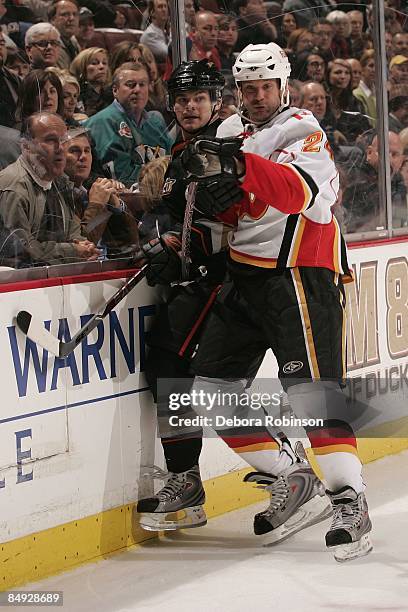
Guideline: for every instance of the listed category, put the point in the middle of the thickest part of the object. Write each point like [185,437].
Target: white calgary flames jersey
[291,183]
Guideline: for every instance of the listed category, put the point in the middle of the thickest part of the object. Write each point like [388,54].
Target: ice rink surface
[224,568]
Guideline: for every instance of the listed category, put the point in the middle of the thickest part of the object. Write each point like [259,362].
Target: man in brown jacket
[33,202]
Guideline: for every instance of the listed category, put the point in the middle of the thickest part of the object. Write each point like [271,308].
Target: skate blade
[354,550]
[312,512]
[171,521]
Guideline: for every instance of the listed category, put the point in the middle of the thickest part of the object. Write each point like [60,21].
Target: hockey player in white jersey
[288,262]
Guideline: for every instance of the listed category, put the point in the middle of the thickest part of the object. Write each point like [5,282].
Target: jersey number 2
[311,143]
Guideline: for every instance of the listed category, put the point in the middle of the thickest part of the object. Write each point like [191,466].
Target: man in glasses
[42,45]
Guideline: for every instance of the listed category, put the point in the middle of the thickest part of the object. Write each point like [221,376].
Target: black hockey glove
[215,196]
[163,256]
[205,157]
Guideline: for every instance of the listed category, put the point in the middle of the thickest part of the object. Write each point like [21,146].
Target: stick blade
[35,331]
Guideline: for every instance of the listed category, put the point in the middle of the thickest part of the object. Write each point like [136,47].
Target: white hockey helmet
[264,62]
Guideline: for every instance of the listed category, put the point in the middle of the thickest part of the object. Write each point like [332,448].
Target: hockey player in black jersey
[194,96]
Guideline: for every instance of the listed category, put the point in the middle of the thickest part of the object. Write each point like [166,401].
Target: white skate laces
[279,492]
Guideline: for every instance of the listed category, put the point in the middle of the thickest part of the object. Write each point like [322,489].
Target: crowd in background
[82,87]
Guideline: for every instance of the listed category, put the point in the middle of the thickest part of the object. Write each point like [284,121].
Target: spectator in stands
[137,53]
[300,40]
[388,45]
[398,74]
[120,18]
[365,92]
[307,11]
[86,28]
[404,140]
[201,42]
[310,66]
[348,157]
[156,35]
[356,72]
[126,136]
[91,69]
[189,14]
[323,33]
[41,90]
[31,201]
[17,62]
[345,114]
[288,24]
[12,21]
[64,15]
[157,90]
[341,29]
[204,38]
[400,43]
[253,23]
[104,216]
[71,91]
[9,87]
[313,98]
[42,45]
[10,146]
[404,176]
[356,38]
[125,51]
[227,38]
[229,103]
[398,114]
[361,198]
[295,92]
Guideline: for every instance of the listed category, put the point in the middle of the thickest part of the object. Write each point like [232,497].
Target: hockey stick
[34,330]
[187,223]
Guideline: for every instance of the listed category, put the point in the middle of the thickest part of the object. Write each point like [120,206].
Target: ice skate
[348,535]
[178,505]
[298,500]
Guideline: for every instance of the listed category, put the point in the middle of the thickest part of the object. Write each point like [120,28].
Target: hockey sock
[335,449]
[341,470]
[181,455]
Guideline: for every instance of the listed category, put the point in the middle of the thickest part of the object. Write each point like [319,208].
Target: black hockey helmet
[195,74]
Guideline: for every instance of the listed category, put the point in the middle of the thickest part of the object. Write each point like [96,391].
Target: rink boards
[78,436]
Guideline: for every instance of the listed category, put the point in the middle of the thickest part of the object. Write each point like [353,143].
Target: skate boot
[348,534]
[298,500]
[178,505]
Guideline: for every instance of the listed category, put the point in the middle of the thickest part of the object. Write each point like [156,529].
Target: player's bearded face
[261,98]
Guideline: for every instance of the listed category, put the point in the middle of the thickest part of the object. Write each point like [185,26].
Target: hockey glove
[163,256]
[214,196]
[205,157]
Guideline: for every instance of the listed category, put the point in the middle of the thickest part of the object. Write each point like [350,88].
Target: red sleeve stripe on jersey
[283,186]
